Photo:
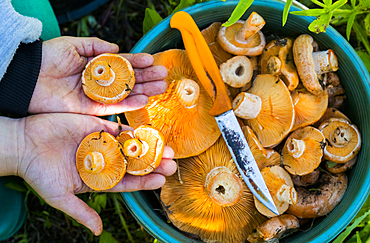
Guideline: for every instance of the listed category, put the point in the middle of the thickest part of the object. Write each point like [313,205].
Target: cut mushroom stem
[287,194]
[188,92]
[325,61]
[340,137]
[247,105]
[133,148]
[251,26]
[237,71]
[94,162]
[296,147]
[103,74]
[274,65]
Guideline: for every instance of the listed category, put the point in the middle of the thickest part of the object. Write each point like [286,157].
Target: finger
[131,183]
[91,47]
[167,167]
[139,60]
[152,73]
[130,103]
[168,153]
[80,211]
[150,89]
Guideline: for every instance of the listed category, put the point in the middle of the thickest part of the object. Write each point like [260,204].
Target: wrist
[9,151]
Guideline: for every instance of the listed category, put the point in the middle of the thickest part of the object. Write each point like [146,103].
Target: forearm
[9,146]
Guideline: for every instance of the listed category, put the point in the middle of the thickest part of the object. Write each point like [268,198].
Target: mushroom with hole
[310,65]
[143,149]
[343,140]
[281,188]
[212,201]
[243,37]
[277,59]
[237,71]
[276,117]
[181,114]
[108,78]
[99,161]
[303,150]
[274,228]
[315,202]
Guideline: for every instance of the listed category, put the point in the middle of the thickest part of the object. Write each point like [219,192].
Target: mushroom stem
[296,147]
[133,148]
[325,61]
[247,105]
[251,26]
[287,194]
[274,65]
[94,162]
[102,73]
[188,92]
[340,137]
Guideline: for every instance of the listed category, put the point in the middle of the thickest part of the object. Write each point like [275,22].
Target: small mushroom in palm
[243,37]
[281,188]
[312,64]
[274,228]
[343,140]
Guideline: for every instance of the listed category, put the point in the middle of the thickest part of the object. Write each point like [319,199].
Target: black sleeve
[19,81]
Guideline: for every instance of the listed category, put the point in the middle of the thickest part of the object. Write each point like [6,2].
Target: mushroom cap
[276,117]
[302,53]
[330,113]
[152,149]
[263,156]
[192,207]
[120,74]
[343,140]
[99,161]
[340,167]
[306,180]
[275,178]
[251,47]
[310,155]
[322,200]
[308,107]
[188,130]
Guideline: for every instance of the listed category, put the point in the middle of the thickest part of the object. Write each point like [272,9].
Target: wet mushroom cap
[108,78]
[340,167]
[181,114]
[99,161]
[343,140]
[205,197]
[276,117]
[303,150]
[331,112]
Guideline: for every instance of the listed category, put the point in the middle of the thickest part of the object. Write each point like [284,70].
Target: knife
[209,75]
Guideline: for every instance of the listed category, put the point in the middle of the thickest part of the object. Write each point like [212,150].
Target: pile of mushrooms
[288,100]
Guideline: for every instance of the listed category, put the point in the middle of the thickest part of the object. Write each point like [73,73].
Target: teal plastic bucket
[353,74]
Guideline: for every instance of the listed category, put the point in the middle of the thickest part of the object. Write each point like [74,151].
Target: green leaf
[320,24]
[98,202]
[310,12]
[361,35]
[151,19]
[286,10]
[328,2]
[238,12]
[16,186]
[353,3]
[107,237]
[367,24]
[318,3]
[365,57]
[337,4]
[364,4]
[184,4]
[349,229]
[331,164]
[350,23]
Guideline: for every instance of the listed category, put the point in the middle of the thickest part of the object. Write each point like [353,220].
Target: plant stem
[361,37]
[119,212]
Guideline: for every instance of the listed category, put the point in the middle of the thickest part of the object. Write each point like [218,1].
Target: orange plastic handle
[203,62]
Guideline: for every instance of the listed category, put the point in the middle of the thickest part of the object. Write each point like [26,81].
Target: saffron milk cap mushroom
[100,161]
[108,78]
[237,71]
[330,113]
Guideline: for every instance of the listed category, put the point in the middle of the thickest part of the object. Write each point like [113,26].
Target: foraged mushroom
[108,78]
[247,105]
[308,107]
[330,113]
[237,71]
[281,188]
[211,202]
[243,37]
[274,228]
[336,92]
[99,161]
[311,64]
[319,201]
[303,150]
[306,180]
[277,59]
[181,114]
[276,118]
[143,149]
[343,140]
[340,167]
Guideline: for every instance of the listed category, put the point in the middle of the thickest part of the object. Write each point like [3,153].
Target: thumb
[80,211]
[92,46]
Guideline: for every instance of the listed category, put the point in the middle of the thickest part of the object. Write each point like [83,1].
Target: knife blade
[209,75]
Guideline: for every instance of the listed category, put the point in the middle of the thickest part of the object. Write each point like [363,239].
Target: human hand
[47,144]
[59,87]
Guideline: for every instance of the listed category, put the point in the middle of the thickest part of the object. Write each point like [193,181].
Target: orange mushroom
[99,161]
[143,149]
[108,78]
[330,113]
[181,114]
